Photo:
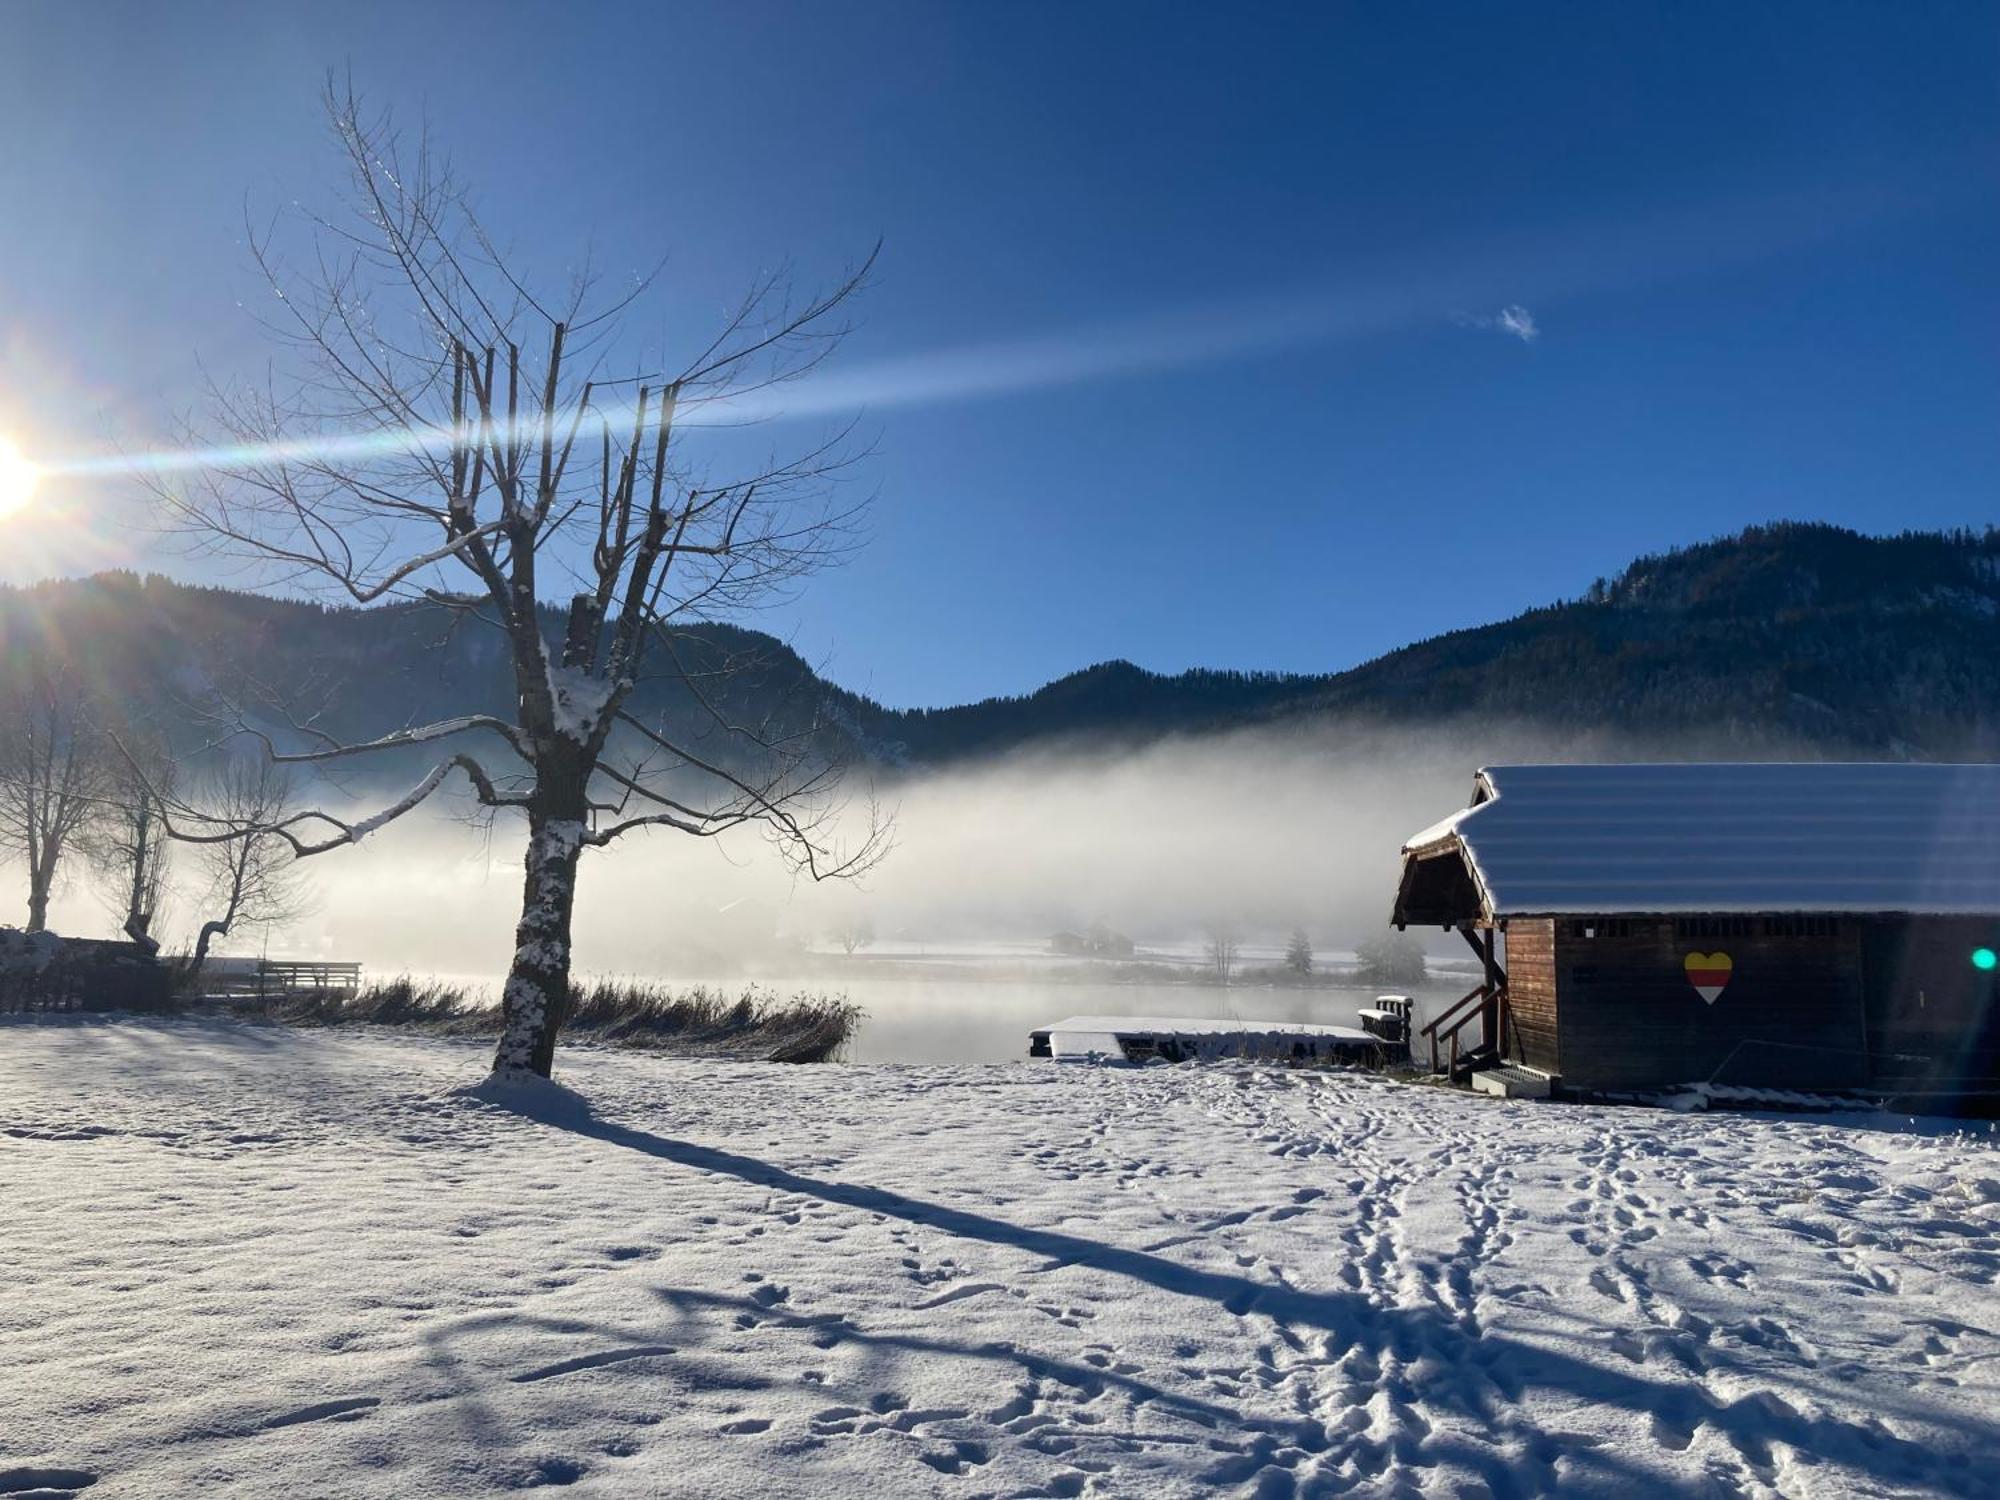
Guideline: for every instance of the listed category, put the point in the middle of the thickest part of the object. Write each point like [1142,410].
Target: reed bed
[757,1024]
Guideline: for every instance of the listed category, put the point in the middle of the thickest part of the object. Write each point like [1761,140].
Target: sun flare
[17,479]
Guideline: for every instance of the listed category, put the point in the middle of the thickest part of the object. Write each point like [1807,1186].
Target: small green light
[1985,958]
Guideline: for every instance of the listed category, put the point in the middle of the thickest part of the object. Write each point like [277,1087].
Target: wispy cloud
[1517,320]
[1513,319]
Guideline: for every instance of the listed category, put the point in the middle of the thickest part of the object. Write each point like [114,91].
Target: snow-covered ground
[263,1262]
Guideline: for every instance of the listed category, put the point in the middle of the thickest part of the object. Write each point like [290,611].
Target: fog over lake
[1261,831]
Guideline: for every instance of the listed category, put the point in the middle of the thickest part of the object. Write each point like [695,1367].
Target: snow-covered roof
[1773,837]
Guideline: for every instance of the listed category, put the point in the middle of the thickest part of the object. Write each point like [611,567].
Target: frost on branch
[578,702]
[401,805]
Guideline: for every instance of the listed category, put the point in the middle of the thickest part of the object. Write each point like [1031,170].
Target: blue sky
[1187,344]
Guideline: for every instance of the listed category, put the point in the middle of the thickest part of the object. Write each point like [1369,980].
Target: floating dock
[1143,1039]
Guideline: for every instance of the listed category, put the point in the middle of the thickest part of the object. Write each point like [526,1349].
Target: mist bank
[1261,831]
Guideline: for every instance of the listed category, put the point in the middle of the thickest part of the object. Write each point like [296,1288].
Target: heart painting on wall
[1708,973]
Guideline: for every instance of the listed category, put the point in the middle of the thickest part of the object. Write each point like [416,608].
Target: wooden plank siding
[1531,992]
[1791,1015]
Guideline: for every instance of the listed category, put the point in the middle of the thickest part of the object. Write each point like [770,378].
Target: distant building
[1099,942]
[1792,926]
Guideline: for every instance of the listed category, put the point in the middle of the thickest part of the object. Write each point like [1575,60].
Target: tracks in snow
[1015,1282]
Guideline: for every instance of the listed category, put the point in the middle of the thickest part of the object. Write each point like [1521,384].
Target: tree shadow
[1507,1367]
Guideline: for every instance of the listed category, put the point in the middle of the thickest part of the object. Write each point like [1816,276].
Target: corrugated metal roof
[1773,837]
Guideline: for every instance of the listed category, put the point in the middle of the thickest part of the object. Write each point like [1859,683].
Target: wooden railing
[285,976]
[1488,1005]
[275,978]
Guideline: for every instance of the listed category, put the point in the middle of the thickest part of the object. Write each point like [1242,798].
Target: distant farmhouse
[1099,942]
[1647,927]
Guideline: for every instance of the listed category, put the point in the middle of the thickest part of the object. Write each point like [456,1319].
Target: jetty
[1145,1039]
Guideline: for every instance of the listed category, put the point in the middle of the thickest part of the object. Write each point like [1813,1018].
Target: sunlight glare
[17,479]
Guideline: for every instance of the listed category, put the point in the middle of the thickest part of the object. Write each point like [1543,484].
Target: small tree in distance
[1299,953]
[858,931]
[253,880]
[448,434]
[127,840]
[53,780]
[1221,950]
[1391,958]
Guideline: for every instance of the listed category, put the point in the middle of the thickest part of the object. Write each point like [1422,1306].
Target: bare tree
[52,777]
[857,931]
[127,841]
[1221,949]
[448,434]
[252,879]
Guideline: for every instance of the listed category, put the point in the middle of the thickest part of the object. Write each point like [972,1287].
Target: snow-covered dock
[1188,1039]
[252,1261]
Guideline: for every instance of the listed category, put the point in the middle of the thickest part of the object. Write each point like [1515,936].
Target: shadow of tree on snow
[1510,1367]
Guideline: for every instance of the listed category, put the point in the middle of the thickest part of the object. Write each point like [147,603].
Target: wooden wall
[1928,1003]
[1531,992]
[1627,1017]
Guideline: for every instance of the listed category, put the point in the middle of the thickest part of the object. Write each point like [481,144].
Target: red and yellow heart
[1708,973]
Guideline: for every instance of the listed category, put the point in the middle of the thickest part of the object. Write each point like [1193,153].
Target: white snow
[578,701]
[27,952]
[247,1261]
[1199,1026]
[1093,1037]
[433,778]
[1812,837]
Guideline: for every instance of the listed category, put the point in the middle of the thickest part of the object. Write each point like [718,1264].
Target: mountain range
[1784,635]
[1791,633]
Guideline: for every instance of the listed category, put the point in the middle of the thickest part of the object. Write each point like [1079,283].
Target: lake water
[933,1020]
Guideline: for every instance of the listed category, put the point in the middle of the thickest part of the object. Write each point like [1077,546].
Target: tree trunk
[139,928]
[138,920]
[210,931]
[537,990]
[41,880]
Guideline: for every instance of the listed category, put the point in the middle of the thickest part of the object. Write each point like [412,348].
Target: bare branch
[423,439]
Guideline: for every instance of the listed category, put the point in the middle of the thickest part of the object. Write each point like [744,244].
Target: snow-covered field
[260,1262]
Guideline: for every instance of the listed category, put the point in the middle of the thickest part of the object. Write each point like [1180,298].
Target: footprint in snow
[29,1480]
[346,1409]
[631,1252]
[592,1362]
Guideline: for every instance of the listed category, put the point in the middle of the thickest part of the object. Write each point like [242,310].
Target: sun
[17,479]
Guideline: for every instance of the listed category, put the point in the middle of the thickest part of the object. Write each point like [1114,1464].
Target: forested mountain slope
[1795,633]
[1862,645]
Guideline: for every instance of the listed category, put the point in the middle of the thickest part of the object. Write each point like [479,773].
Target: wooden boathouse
[1643,928]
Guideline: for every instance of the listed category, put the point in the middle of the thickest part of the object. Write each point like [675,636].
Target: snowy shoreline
[252,1260]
